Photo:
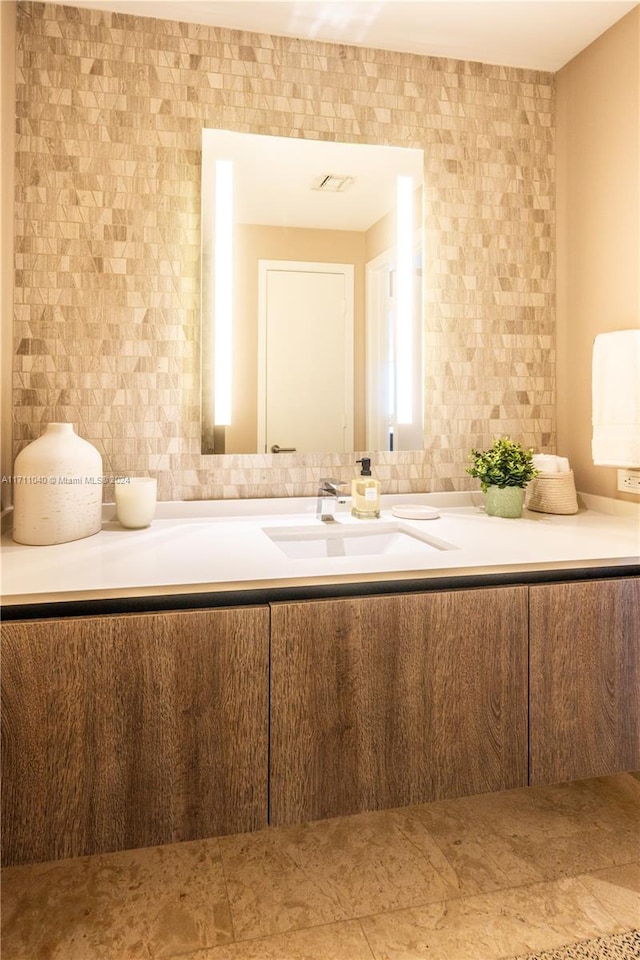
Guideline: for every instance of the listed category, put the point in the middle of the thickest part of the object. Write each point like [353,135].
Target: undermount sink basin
[353,540]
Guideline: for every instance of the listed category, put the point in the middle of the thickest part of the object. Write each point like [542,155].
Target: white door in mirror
[306,353]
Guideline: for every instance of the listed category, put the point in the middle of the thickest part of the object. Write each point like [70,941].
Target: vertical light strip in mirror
[404,300]
[223,291]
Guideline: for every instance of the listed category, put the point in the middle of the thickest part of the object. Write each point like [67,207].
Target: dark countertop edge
[253,596]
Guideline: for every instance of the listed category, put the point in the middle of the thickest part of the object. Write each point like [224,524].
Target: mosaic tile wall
[109,114]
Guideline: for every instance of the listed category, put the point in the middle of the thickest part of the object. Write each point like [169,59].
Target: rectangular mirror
[312,300]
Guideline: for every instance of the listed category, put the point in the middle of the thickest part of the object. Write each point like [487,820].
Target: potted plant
[503,470]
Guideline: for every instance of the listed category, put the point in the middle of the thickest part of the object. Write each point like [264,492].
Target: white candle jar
[136,501]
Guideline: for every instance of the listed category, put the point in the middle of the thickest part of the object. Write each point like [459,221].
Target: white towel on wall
[616,399]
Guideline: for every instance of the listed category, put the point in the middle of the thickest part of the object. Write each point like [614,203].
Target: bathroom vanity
[135,717]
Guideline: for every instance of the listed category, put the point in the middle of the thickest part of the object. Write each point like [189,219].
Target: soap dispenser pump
[365,493]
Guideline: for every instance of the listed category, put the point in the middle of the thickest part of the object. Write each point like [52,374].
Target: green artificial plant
[505,464]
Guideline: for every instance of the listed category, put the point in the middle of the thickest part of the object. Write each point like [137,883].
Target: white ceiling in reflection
[274,178]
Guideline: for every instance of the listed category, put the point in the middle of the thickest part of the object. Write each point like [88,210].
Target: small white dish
[410,511]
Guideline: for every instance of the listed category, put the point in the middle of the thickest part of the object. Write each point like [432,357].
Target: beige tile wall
[109,116]
[7,149]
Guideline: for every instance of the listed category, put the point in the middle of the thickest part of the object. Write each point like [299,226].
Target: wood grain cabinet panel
[385,701]
[585,679]
[129,731]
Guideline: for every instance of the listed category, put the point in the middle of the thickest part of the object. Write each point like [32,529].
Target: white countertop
[212,546]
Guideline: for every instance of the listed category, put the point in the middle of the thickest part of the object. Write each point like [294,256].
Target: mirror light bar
[223,292]
[404,300]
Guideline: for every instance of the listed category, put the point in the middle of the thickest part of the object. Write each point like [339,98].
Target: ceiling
[519,33]
[277,179]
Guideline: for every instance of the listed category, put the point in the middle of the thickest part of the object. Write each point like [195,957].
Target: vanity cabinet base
[131,731]
[134,730]
[388,701]
[585,679]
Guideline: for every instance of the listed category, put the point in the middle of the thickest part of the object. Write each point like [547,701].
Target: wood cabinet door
[385,701]
[130,731]
[585,679]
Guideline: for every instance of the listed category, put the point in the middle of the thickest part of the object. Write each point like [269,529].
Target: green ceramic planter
[504,501]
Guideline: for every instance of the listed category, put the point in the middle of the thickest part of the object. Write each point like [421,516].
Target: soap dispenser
[365,493]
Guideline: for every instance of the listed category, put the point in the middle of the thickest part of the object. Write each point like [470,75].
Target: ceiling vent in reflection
[332,182]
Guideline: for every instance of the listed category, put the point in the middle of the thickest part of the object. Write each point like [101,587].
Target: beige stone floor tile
[295,877]
[606,813]
[336,941]
[542,833]
[617,812]
[299,889]
[618,889]
[559,810]
[465,843]
[537,813]
[612,803]
[146,903]
[559,857]
[492,925]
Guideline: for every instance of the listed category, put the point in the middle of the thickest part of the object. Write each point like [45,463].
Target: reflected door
[305,386]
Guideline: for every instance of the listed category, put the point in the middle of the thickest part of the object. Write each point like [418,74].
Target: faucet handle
[327,497]
[329,485]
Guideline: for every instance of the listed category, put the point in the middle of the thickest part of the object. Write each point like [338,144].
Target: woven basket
[552,493]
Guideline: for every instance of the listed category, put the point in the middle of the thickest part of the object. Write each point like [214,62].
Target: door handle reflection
[277,449]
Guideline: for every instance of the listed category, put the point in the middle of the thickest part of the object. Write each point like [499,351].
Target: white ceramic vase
[57,488]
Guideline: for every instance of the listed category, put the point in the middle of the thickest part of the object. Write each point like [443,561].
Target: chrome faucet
[327,497]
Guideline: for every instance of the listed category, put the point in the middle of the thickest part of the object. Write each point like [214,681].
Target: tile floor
[479,878]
